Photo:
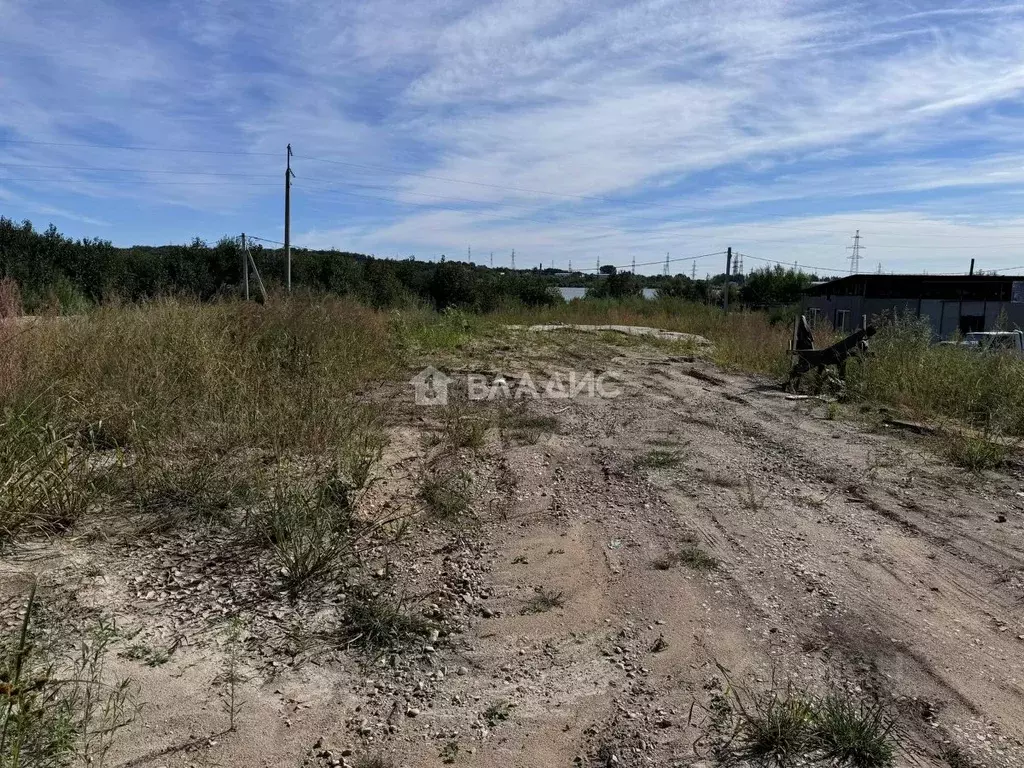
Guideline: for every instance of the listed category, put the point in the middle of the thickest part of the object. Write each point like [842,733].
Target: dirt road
[846,556]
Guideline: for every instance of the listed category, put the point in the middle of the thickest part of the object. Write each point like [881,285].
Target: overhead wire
[137,148]
[595,198]
[24,179]
[263,239]
[384,169]
[5,164]
[399,171]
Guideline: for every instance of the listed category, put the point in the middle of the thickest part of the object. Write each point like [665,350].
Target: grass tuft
[447,495]
[784,727]
[543,600]
[376,622]
[690,556]
[310,539]
[498,712]
[855,734]
[976,453]
[658,459]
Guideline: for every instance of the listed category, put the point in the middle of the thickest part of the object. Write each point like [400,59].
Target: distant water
[578,293]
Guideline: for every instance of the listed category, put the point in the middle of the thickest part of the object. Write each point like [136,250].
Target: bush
[905,369]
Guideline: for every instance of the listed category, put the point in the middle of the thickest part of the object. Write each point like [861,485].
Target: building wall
[944,316]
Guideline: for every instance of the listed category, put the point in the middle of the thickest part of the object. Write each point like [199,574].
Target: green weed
[543,600]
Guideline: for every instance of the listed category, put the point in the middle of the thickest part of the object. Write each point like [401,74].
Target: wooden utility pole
[288,221]
[728,267]
[245,267]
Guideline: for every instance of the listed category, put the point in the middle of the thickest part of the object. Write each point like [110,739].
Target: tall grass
[177,385]
[742,339]
[905,369]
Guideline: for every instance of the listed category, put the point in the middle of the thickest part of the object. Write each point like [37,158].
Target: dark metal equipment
[837,355]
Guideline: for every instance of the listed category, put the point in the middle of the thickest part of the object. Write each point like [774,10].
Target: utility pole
[969,273]
[245,267]
[288,221]
[855,253]
[599,265]
[728,267]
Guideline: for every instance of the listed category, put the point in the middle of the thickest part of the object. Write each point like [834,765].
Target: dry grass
[743,340]
[178,408]
[905,369]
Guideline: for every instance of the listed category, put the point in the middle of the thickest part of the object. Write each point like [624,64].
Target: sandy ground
[849,556]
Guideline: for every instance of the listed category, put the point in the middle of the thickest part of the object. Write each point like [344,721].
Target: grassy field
[265,421]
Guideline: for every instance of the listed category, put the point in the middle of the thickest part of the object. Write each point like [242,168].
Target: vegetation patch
[375,621]
[543,600]
[689,556]
[658,459]
[447,495]
[498,712]
[976,453]
[784,727]
[59,705]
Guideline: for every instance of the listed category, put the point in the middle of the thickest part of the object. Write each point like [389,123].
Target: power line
[264,239]
[647,205]
[508,217]
[136,170]
[660,261]
[595,198]
[384,169]
[473,201]
[25,180]
[83,145]
[786,264]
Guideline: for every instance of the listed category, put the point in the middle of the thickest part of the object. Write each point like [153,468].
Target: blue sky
[568,131]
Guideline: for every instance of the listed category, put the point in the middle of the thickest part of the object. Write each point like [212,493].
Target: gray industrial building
[953,303]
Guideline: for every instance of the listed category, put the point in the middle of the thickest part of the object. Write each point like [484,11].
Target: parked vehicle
[996,341]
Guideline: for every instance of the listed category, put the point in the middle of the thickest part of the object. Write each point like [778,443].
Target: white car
[996,341]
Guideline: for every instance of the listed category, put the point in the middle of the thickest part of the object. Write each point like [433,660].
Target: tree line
[52,270]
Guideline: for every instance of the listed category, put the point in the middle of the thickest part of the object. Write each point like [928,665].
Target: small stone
[411,712]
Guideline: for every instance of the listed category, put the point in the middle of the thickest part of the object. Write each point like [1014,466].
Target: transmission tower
[513,258]
[855,253]
[666,263]
[633,270]
[693,271]
[492,259]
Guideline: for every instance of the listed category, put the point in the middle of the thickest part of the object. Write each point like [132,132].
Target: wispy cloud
[561,129]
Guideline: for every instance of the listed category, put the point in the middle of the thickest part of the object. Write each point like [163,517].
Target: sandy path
[848,557]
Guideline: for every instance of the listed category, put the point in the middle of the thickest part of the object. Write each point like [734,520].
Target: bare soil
[848,556]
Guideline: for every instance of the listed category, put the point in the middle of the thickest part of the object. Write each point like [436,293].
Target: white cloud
[716,108]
